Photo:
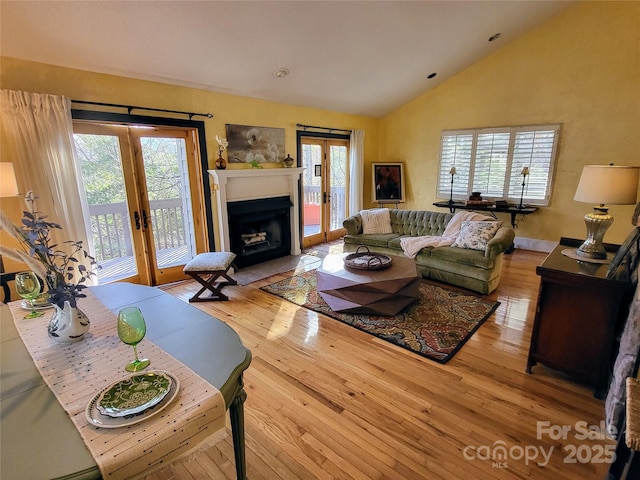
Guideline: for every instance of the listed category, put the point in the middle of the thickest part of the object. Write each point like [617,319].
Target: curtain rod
[304,127]
[133,107]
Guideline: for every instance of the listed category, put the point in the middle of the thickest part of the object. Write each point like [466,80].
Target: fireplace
[241,192]
[259,229]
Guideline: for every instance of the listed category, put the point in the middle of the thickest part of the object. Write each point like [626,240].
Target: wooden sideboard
[578,317]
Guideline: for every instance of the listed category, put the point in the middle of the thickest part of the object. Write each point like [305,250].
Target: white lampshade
[8,184]
[608,184]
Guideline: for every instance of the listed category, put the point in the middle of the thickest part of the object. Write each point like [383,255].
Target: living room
[581,69]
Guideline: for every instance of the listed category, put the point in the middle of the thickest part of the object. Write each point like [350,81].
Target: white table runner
[76,372]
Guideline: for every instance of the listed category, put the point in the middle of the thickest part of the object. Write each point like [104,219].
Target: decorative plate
[36,306]
[98,419]
[40,303]
[134,394]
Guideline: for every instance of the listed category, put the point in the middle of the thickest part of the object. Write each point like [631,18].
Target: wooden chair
[206,269]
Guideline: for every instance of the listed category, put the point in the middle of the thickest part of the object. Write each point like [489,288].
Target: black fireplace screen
[259,230]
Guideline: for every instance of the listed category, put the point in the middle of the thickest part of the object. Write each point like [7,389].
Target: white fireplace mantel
[256,183]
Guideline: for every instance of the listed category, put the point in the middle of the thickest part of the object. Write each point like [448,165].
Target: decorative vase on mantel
[288,162]
[221,163]
[68,324]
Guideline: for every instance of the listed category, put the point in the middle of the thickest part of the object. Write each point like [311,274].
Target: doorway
[324,186]
[140,184]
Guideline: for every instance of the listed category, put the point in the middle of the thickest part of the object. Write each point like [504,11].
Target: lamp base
[597,224]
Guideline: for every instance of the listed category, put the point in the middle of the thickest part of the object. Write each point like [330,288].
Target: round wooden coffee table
[378,292]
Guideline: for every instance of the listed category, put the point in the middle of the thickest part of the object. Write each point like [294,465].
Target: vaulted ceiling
[358,57]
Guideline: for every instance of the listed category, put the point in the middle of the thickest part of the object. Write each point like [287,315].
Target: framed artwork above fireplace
[259,144]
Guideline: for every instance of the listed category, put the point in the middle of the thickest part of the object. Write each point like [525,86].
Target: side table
[512,210]
[578,315]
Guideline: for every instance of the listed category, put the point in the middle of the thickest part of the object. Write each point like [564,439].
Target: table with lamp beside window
[476,203]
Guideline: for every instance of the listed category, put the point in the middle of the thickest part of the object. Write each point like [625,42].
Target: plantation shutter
[490,161]
[456,151]
[534,149]
[490,167]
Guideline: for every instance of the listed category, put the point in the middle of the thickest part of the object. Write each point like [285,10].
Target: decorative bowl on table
[366,260]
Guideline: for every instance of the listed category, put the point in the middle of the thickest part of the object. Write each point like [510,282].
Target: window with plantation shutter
[491,160]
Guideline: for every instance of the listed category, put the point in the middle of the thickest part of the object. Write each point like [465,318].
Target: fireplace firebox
[259,229]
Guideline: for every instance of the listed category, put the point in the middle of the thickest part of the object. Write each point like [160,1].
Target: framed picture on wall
[388,182]
[255,144]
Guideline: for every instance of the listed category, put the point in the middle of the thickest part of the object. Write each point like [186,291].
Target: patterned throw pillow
[476,235]
[376,221]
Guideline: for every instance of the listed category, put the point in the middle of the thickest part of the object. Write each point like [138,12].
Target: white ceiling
[359,57]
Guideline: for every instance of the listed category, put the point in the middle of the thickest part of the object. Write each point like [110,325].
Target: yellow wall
[81,85]
[580,69]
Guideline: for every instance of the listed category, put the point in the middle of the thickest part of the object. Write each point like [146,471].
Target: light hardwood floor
[326,401]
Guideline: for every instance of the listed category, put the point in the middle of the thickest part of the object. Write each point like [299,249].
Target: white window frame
[502,175]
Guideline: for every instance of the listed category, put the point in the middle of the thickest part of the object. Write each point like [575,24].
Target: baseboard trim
[534,244]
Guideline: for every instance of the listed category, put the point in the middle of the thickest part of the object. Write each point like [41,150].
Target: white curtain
[37,137]
[356,171]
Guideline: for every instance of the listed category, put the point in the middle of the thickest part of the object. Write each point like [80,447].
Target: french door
[145,207]
[325,192]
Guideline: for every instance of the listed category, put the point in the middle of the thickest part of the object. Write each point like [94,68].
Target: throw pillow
[376,221]
[476,235]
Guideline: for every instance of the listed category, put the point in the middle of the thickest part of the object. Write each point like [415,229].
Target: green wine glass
[28,287]
[131,330]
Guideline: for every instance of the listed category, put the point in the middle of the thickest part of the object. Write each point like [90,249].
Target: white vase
[68,324]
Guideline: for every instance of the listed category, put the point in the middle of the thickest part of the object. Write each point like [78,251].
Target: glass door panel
[312,155]
[325,180]
[338,181]
[100,162]
[169,213]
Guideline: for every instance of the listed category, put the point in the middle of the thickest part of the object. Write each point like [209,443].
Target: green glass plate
[134,394]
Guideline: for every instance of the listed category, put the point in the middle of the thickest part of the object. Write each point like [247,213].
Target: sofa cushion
[416,223]
[381,240]
[475,235]
[376,221]
[462,257]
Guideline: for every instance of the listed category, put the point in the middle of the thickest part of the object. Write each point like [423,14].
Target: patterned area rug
[436,326]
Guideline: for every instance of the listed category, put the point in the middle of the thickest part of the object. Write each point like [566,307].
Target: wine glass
[131,330]
[28,287]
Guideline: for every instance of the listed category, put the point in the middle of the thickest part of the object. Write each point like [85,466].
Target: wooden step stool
[206,268]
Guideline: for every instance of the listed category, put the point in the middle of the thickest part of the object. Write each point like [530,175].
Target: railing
[337,202]
[111,233]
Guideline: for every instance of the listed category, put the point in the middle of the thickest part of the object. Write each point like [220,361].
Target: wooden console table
[513,210]
[578,316]
[39,440]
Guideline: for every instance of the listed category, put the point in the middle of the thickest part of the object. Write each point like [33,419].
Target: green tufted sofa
[472,269]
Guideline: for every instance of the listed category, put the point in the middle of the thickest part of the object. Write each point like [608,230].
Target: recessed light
[281,72]
[431,75]
[494,37]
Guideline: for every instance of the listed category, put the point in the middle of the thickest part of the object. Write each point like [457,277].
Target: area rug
[253,273]
[436,326]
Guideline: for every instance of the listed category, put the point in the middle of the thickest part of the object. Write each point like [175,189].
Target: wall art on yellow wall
[388,182]
[249,144]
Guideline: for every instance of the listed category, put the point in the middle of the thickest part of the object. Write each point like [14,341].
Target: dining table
[39,440]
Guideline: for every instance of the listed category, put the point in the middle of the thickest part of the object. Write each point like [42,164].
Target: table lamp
[8,184]
[603,184]
[524,173]
[452,172]
[8,188]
